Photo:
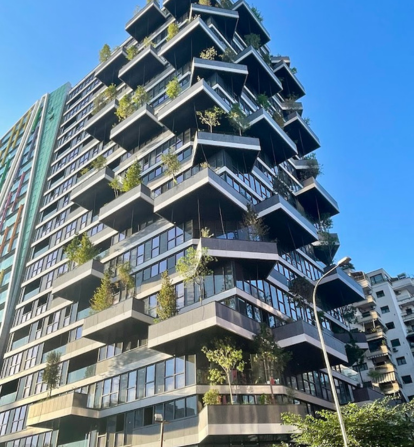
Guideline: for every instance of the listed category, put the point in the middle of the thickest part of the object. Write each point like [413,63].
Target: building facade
[385,317]
[244,193]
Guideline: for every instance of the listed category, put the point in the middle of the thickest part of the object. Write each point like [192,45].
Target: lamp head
[343,261]
[158,417]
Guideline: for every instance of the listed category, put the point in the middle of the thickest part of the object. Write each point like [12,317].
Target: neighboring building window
[363,367]
[380,294]
[407,379]
[401,361]
[385,309]
[390,325]
[409,311]
[396,342]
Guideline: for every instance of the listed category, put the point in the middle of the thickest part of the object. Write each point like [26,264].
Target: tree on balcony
[140,97]
[204,2]
[125,108]
[80,250]
[102,100]
[226,4]
[374,375]
[255,225]
[269,357]
[278,119]
[51,374]
[173,88]
[253,40]
[301,290]
[212,397]
[194,267]
[263,101]
[257,13]
[124,274]
[147,42]
[377,424]
[238,119]
[166,299]
[131,52]
[96,164]
[132,177]
[209,54]
[172,30]
[105,53]
[228,55]
[329,245]
[171,164]
[116,185]
[103,297]
[211,117]
[314,169]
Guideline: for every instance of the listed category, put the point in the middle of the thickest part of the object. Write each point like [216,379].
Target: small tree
[281,187]
[211,117]
[228,55]
[377,424]
[269,356]
[255,225]
[204,2]
[148,42]
[131,52]
[194,267]
[307,121]
[105,53]
[125,277]
[166,299]
[110,92]
[173,88]
[257,13]
[126,108]
[132,177]
[226,4]
[140,97]
[227,357]
[302,290]
[116,185]
[253,40]
[205,232]
[172,30]
[98,163]
[80,250]
[209,54]
[51,373]
[374,375]
[278,118]
[103,297]
[329,245]
[263,101]
[238,119]
[313,168]
[211,397]
[171,164]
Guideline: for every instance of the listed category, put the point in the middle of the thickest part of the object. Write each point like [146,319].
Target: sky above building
[355,59]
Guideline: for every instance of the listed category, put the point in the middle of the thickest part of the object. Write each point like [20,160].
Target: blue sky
[355,59]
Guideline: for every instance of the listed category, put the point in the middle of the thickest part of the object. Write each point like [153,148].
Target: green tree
[132,177]
[278,118]
[172,30]
[227,357]
[228,55]
[255,225]
[116,185]
[51,373]
[269,356]
[211,117]
[253,40]
[140,97]
[124,275]
[257,13]
[313,168]
[103,297]
[98,163]
[263,101]
[173,88]
[125,108]
[171,164]
[211,397]
[148,42]
[376,424]
[226,4]
[194,267]
[302,290]
[105,53]
[166,299]
[110,92]
[131,52]
[209,54]
[80,250]
[238,119]
[204,2]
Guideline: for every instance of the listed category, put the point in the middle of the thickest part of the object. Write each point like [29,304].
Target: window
[401,361]
[407,379]
[409,311]
[390,325]
[363,367]
[380,294]
[385,309]
[396,342]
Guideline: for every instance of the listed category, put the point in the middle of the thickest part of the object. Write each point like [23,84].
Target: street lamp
[343,261]
[158,417]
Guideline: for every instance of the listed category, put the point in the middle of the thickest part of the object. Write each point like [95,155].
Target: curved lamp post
[325,354]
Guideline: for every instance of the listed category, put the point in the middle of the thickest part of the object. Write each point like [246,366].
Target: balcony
[177,8]
[407,316]
[300,132]
[79,283]
[145,21]
[225,20]
[205,195]
[233,75]
[339,290]
[131,207]
[290,83]
[192,39]
[410,334]
[366,395]
[67,408]
[285,222]
[99,126]
[261,78]
[375,334]
[258,258]
[180,114]
[273,140]
[108,71]
[326,249]
[368,317]
[189,331]
[141,126]
[248,22]
[368,303]
[403,283]
[315,199]
[94,190]
[380,351]
[208,145]
[117,322]
[144,67]
[303,341]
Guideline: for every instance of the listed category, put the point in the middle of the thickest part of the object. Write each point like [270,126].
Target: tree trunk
[270,378]
[228,374]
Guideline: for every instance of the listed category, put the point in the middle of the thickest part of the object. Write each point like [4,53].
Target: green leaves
[80,250]
[105,53]
[166,299]
[173,88]
[211,117]
[103,297]
[51,374]
[171,164]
